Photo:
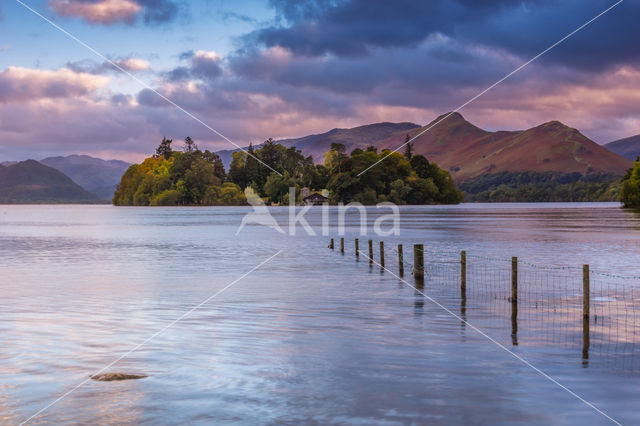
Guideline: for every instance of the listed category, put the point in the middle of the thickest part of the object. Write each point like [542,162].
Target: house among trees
[314,199]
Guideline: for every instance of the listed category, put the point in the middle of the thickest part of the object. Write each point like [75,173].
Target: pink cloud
[19,84]
[133,64]
[104,12]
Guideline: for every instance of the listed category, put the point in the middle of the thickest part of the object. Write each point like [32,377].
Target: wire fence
[565,307]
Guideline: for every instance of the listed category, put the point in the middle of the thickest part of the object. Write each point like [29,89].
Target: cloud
[358,27]
[104,12]
[343,63]
[19,84]
[132,65]
[204,65]
[437,65]
[5,48]
[158,11]
[110,12]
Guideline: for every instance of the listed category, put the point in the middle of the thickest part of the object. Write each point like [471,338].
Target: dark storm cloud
[437,64]
[524,28]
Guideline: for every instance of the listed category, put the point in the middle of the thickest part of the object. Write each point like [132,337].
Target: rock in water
[110,377]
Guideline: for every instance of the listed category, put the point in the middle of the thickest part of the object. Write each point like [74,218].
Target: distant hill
[97,176]
[317,145]
[357,137]
[627,147]
[468,151]
[31,182]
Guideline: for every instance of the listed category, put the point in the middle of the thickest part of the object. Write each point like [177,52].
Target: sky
[250,70]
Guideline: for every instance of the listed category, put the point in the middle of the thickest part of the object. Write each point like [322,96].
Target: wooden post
[514,301]
[400,261]
[586,293]
[418,262]
[357,248]
[342,245]
[331,244]
[463,274]
[586,299]
[382,254]
[370,252]
[514,279]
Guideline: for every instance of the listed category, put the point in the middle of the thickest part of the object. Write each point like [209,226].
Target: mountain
[97,176]
[468,151]
[357,137]
[627,147]
[31,182]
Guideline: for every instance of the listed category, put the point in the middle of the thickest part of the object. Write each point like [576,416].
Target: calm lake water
[314,336]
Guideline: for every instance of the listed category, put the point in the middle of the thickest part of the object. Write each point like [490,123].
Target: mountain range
[627,147]
[75,178]
[452,142]
[468,151]
[32,182]
[97,176]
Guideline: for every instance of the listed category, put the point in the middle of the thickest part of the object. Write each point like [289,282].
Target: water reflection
[585,341]
[514,323]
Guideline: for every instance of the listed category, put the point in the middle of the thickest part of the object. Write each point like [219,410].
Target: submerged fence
[599,313]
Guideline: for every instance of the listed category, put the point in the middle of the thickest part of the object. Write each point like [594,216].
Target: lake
[314,335]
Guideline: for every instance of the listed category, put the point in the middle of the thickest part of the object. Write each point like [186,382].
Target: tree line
[630,193]
[195,177]
[542,187]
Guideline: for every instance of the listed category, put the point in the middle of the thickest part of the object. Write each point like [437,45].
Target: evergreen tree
[408,151]
[164,149]
[190,145]
[252,168]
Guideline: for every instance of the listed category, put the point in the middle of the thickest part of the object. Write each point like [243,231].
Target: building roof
[315,197]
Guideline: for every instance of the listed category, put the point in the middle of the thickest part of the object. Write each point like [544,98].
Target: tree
[213,158]
[252,168]
[237,172]
[338,147]
[276,186]
[421,166]
[408,151]
[294,162]
[164,149]
[189,145]
[630,193]
[198,178]
[335,159]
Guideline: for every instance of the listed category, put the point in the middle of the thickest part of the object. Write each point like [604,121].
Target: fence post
[463,273]
[342,245]
[357,248]
[370,252]
[331,244]
[400,261]
[514,279]
[586,293]
[418,262]
[586,301]
[382,254]
[514,301]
